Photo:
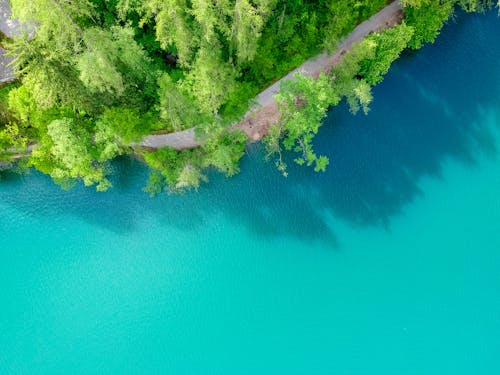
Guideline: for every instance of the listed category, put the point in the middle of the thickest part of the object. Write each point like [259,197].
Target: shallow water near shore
[386,264]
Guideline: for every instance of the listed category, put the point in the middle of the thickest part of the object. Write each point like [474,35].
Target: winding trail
[9,28]
[265,113]
[6,74]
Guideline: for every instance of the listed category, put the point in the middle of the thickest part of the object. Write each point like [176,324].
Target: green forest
[98,75]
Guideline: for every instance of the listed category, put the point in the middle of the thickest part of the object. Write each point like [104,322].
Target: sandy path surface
[9,28]
[6,74]
[179,140]
[265,113]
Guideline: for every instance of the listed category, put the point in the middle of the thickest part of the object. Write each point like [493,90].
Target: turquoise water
[387,264]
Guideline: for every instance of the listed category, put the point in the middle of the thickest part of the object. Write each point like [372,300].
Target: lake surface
[389,263]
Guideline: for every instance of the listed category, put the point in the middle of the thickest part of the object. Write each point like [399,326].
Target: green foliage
[367,63]
[99,74]
[114,63]
[427,18]
[177,109]
[223,149]
[5,114]
[21,103]
[68,154]
[389,45]
[98,64]
[173,26]
[57,22]
[238,101]
[210,80]
[177,171]
[347,80]
[12,137]
[117,128]
[174,171]
[247,26]
[184,26]
[294,32]
[344,15]
[125,123]
[303,103]
[303,106]
[49,74]
[467,5]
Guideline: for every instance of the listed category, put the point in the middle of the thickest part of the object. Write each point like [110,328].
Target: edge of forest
[265,112]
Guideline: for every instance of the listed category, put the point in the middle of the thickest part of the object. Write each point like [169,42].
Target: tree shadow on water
[259,198]
[432,106]
[435,105]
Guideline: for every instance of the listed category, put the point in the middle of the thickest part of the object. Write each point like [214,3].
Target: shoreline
[265,113]
[258,119]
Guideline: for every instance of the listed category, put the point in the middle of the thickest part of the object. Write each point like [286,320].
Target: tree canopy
[100,74]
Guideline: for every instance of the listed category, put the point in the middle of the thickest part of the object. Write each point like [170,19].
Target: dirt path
[9,28]
[6,74]
[265,113]
[179,140]
[258,119]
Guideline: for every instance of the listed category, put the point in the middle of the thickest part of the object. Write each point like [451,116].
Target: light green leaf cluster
[49,75]
[223,148]
[12,137]
[212,17]
[56,21]
[70,148]
[467,5]
[389,45]
[109,58]
[427,17]
[115,129]
[21,102]
[98,63]
[173,27]
[248,21]
[303,105]
[174,171]
[178,171]
[346,76]
[210,79]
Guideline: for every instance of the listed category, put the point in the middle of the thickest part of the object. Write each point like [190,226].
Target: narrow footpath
[265,113]
[8,28]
